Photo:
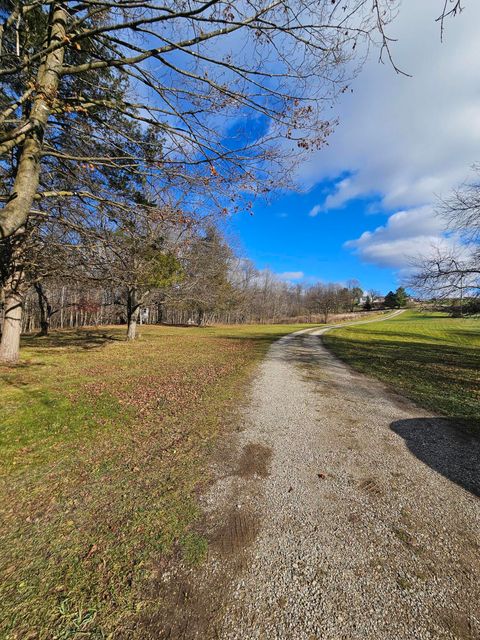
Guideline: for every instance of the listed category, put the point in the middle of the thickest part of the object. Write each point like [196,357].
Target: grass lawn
[104,444]
[429,357]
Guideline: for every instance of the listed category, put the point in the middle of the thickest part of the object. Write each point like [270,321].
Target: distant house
[374,299]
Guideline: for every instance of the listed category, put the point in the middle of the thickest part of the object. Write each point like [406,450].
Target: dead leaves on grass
[175,389]
[128,489]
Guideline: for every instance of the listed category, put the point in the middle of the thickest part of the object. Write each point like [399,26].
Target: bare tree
[354,293]
[325,299]
[453,271]
[446,273]
[461,210]
[105,102]
[71,70]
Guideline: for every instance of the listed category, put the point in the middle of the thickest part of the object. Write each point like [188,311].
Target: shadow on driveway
[445,445]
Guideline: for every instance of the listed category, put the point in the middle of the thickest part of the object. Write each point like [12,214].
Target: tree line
[125,125]
[204,282]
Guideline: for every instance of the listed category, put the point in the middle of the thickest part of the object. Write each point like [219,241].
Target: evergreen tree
[391,301]
[401,296]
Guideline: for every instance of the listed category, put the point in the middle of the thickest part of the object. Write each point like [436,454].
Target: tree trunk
[133,308]
[16,211]
[62,299]
[132,325]
[12,323]
[45,309]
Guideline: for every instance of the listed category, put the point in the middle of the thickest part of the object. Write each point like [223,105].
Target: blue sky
[401,143]
[282,236]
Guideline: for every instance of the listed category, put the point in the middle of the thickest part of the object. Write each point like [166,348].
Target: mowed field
[104,444]
[431,358]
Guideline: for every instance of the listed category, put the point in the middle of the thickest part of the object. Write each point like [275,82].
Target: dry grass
[104,445]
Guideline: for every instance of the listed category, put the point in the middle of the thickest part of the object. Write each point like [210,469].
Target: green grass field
[428,357]
[104,444]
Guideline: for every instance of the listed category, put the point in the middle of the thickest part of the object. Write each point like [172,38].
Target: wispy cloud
[314,211]
[402,139]
[402,142]
[291,275]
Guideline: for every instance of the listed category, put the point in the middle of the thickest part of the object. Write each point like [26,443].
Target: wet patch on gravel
[255,461]
[371,487]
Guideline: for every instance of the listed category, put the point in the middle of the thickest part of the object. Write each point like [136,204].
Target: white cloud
[409,138]
[406,235]
[291,275]
[403,141]
[314,211]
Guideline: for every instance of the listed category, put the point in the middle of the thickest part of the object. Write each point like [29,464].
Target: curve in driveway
[330,519]
[358,537]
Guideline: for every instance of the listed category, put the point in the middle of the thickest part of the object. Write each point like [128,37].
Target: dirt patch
[255,461]
[238,532]
[188,610]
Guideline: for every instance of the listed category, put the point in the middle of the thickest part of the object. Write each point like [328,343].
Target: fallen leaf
[93,548]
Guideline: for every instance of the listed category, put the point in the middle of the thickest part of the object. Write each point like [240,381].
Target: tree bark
[132,326]
[62,298]
[14,290]
[133,308]
[15,213]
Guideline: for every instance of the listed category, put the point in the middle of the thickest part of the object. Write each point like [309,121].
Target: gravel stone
[368,522]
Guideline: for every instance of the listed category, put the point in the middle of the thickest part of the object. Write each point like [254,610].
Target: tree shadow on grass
[75,340]
[446,365]
[413,337]
[447,445]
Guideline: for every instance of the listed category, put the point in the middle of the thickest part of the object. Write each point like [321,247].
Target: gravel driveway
[346,513]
